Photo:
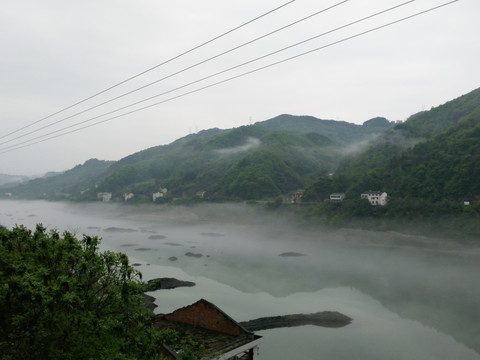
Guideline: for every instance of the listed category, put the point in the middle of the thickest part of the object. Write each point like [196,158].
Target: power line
[19,146]
[149,69]
[209,76]
[173,74]
[14,147]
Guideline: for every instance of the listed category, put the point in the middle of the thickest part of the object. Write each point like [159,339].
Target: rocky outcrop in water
[332,319]
[167,283]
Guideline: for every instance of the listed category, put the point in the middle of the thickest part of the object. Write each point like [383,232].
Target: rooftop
[210,328]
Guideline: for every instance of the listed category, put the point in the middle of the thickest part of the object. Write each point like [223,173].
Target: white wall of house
[337,196]
[375,197]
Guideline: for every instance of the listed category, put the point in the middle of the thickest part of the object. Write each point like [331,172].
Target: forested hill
[260,161]
[434,157]
[417,128]
[438,119]
[249,162]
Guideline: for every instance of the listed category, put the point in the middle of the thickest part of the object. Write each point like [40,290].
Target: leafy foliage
[62,299]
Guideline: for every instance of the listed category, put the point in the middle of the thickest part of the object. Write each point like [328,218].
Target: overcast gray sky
[56,53]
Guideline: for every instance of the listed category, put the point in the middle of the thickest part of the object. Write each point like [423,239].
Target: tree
[60,298]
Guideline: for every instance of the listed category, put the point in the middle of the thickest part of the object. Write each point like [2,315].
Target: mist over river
[409,297]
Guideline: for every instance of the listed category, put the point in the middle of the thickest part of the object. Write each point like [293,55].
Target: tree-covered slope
[430,123]
[444,166]
[156,151]
[249,162]
[266,159]
[404,136]
[259,161]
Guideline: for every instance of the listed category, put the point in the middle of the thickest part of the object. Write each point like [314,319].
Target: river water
[407,302]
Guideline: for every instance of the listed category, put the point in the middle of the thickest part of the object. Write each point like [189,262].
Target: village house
[128,196]
[218,334]
[337,196]
[375,197]
[297,196]
[200,194]
[104,196]
[159,194]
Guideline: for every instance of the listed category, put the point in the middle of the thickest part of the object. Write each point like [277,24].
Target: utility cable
[19,146]
[149,69]
[177,72]
[204,78]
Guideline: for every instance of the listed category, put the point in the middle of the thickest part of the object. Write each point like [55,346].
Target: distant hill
[11,180]
[260,161]
[248,162]
[63,185]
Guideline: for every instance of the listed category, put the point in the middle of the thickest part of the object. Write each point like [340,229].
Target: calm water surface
[406,303]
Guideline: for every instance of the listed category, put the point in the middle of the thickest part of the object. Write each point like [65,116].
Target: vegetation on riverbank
[60,298]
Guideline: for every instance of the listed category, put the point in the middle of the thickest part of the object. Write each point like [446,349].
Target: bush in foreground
[60,298]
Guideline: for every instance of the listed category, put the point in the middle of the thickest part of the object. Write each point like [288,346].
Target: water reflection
[406,302]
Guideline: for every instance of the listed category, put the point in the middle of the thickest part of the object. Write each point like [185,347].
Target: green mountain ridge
[259,161]
[339,131]
[431,156]
[248,162]
[403,136]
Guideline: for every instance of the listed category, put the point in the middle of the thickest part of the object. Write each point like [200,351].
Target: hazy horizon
[57,54]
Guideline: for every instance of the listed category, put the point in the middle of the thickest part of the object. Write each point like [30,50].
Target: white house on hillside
[337,196]
[128,196]
[159,194]
[104,196]
[375,197]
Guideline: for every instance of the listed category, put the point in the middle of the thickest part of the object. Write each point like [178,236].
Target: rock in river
[332,319]
[167,283]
